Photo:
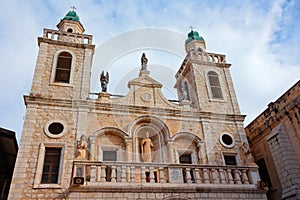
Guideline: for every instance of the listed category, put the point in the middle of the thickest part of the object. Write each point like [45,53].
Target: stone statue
[144,62]
[104,79]
[184,91]
[81,152]
[245,154]
[146,146]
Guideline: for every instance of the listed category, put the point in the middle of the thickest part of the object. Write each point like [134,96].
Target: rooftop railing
[67,37]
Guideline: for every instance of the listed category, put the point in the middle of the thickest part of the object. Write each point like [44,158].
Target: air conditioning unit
[262,184]
[78,180]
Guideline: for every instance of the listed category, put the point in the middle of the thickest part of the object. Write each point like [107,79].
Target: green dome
[193,35]
[72,15]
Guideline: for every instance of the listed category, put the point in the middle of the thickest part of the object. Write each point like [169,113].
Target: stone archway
[108,139]
[185,143]
[158,133]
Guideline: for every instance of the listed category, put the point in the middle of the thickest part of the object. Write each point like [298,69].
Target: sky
[259,38]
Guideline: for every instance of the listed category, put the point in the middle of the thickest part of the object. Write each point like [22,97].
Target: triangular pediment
[144,91]
[144,80]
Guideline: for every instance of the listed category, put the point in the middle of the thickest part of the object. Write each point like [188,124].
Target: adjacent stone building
[8,155]
[140,146]
[275,142]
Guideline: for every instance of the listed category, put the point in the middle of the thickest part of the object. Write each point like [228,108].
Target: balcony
[134,175]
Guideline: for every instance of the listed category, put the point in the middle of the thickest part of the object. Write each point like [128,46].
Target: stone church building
[140,146]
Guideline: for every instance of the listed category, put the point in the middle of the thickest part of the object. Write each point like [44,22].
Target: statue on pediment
[104,79]
[144,62]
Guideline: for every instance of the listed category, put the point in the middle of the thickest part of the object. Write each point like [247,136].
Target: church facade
[140,146]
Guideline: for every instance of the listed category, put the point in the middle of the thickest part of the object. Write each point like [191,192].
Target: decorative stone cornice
[97,106]
[275,113]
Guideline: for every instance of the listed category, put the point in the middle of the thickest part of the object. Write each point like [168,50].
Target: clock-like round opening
[56,128]
[227,140]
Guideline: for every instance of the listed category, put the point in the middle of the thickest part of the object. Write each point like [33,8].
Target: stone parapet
[67,37]
[95,173]
[273,115]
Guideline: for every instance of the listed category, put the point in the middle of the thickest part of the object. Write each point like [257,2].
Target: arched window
[63,67]
[215,85]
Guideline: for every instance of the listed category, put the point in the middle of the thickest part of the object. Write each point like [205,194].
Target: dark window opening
[108,171]
[148,177]
[51,165]
[56,128]
[215,85]
[186,159]
[70,30]
[63,67]
[109,155]
[227,139]
[263,171]
[229,160]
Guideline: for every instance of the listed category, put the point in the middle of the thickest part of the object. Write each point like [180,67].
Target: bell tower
[64,61]
[204,79]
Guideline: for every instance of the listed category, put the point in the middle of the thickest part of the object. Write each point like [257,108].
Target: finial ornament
[73,8]
[104,79]
[144,62]
[191,27]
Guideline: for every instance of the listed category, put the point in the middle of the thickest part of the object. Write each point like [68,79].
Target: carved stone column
[128,150]
[171,151]
[92,140]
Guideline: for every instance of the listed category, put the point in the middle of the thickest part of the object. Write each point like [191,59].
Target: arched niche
[188,148]
[108,144]
[158,133]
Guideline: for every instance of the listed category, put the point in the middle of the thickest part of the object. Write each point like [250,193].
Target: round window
[55,128]
[227,140]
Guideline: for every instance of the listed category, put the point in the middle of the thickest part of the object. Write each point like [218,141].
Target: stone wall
[274,137]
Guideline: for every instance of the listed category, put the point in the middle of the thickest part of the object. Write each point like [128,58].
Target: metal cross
[73,8]
[191,27]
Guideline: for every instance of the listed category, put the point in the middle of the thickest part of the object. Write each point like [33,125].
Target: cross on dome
[73,8]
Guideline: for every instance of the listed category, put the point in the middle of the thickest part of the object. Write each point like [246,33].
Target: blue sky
[260,40]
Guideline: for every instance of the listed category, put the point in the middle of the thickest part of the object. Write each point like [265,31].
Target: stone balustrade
[208,57]
[67,37]
[124,172]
